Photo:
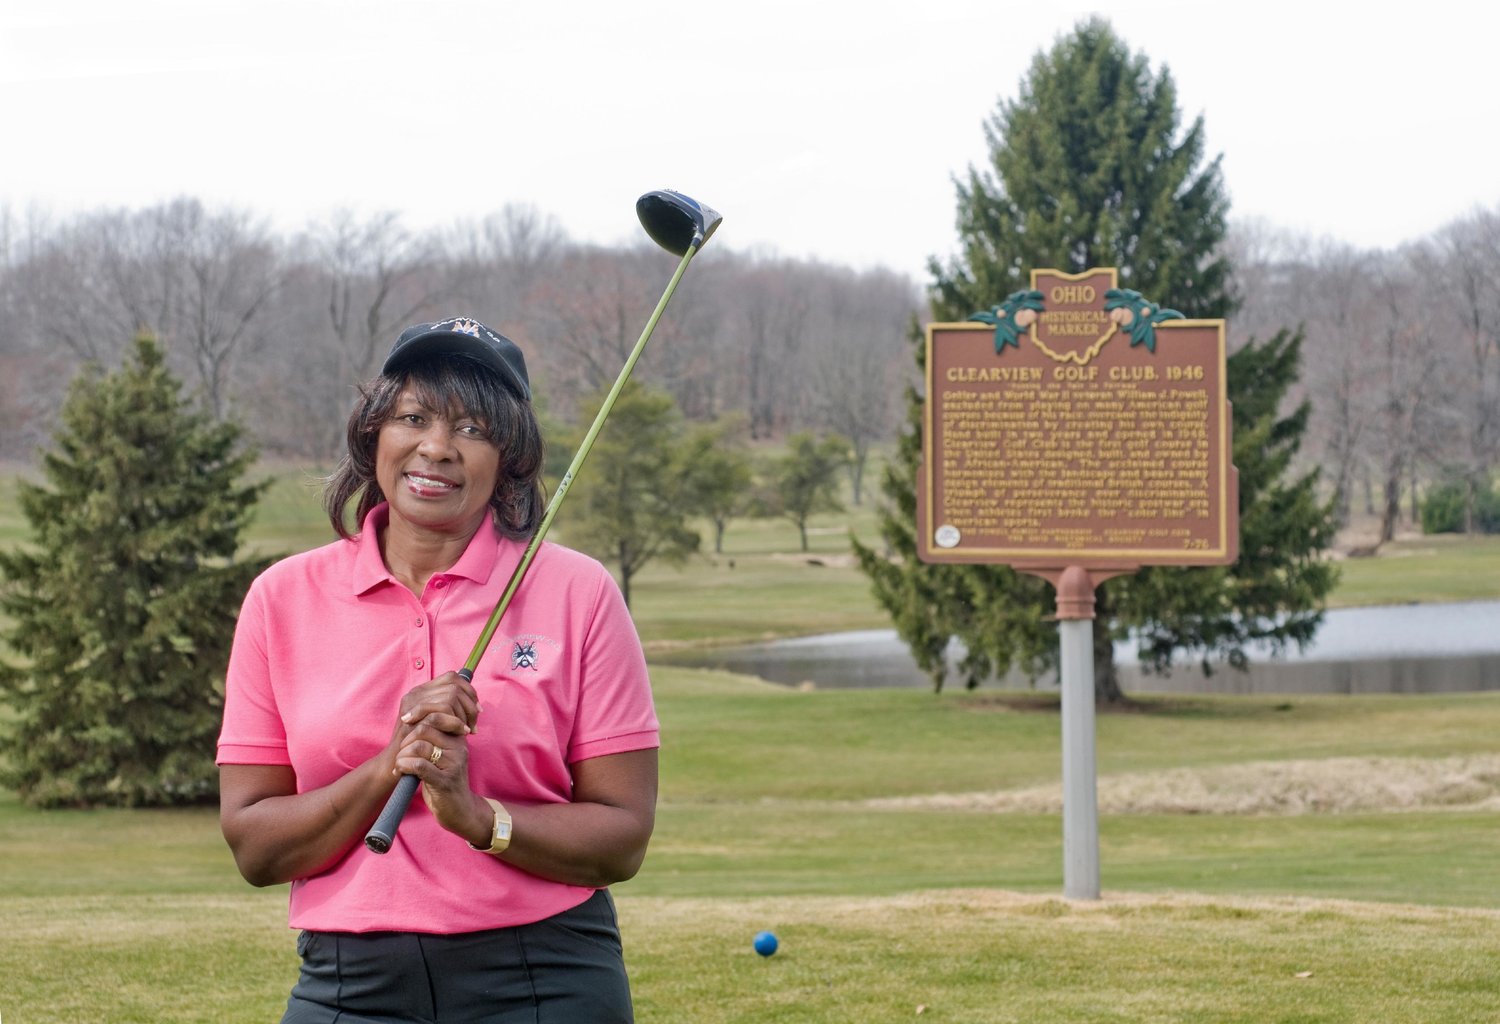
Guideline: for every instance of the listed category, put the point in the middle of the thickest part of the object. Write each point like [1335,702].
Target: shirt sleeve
[253,731]
[616,713]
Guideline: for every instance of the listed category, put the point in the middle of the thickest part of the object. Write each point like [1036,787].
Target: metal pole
[1075,613]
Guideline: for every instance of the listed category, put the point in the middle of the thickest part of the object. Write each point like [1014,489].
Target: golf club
[681,226]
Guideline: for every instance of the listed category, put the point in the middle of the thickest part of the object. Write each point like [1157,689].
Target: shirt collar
[477,563]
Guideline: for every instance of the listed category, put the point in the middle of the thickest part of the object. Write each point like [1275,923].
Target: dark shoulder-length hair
[461,387]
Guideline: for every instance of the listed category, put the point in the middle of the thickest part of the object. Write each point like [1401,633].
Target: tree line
[273,330]
[1402,347]
[1402,364]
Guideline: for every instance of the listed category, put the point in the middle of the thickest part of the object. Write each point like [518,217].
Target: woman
[538,779]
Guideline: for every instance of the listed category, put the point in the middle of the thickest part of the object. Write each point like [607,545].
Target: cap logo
[465,327]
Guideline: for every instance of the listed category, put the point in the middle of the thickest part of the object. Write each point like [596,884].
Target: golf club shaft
[383,833]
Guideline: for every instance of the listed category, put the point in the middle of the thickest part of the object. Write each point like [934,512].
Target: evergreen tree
[122,606]
[1087,169]
[1274,593]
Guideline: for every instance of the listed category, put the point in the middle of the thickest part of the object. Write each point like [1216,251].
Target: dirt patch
[1027,701]
[1023,702]
[1330,786]
[815,558]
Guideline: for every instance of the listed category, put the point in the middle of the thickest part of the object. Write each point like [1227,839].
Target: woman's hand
[278,833]
[437,719]
[449,695]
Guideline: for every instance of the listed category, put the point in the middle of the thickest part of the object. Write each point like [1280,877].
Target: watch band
[500,839]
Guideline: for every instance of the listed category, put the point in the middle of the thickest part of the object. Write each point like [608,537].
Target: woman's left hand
[436,750]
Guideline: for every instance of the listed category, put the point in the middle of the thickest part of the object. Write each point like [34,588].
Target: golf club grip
[382,834]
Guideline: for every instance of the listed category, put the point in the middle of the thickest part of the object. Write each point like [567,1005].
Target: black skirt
[565,969]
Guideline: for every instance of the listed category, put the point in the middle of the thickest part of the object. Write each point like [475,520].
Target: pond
[1430,648]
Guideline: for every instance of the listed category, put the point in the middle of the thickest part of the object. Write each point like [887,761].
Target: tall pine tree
[122,605]
[1088,169]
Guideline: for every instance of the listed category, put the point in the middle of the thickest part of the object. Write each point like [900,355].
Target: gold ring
[436,755]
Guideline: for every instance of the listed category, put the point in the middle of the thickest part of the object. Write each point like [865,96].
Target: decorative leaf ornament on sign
[1136,314]
[1012,317]
[1070,317]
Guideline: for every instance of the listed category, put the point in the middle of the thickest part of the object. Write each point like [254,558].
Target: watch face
[502,830]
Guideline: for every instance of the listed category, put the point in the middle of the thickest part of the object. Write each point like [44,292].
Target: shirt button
[419,622]
[440,584]
[418,663]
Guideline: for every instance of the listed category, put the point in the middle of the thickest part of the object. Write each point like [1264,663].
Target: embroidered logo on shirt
[523,655]
[528,649]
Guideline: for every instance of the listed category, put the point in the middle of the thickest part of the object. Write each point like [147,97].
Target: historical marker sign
[1077,424]
[1076,431]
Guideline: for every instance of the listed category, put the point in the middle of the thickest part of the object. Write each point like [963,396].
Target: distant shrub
[1443,509]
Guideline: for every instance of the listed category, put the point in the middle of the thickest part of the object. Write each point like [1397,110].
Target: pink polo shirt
[328,642]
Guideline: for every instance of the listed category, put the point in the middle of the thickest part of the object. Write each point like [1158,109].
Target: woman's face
[437,473]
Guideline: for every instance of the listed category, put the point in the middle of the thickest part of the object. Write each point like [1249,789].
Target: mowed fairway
[900,843]
[774,816]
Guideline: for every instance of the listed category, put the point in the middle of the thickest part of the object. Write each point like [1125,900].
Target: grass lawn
[766,821]
[1443,567]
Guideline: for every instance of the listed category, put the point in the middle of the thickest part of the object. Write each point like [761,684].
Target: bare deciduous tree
[228,272]
[858,358]
[588,314]
[378,275]
[775,307]
[199,280]
[1405,375]
[1458,267]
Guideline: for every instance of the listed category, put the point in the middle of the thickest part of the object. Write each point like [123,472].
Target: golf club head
[676,222]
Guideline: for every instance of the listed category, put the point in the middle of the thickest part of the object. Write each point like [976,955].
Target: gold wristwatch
[501,838]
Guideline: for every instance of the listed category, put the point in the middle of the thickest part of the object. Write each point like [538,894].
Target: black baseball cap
[464,336]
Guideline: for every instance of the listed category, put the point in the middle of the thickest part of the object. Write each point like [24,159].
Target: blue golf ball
[765,943]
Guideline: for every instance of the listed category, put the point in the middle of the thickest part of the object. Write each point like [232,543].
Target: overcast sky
[825,129]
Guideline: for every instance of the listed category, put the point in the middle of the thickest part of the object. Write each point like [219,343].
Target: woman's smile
[428,485]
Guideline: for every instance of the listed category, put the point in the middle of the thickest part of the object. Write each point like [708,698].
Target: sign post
[1075,628]
[1077,431]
